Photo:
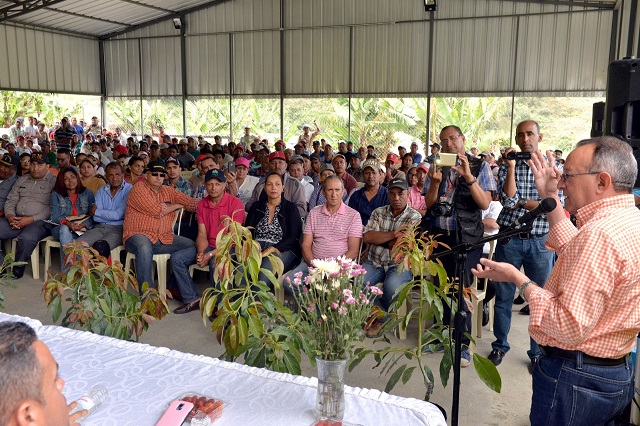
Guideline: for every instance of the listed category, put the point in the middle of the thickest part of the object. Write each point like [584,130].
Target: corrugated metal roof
[99,18]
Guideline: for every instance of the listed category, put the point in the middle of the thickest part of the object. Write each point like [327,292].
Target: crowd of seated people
[77,181]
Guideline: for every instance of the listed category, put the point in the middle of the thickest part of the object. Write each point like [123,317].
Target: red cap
[277,154]
[392,157]
[423,167]
[201,157]
[243,162]
[121,149]
[280,142]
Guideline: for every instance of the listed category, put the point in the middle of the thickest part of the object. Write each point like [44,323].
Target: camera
[512,155]
[441,208]
[446,160]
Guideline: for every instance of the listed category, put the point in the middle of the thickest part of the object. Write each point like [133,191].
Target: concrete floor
[478,404]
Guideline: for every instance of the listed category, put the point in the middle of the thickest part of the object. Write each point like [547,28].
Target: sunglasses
[158,174]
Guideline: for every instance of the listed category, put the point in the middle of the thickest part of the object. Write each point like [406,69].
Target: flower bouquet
[333,305]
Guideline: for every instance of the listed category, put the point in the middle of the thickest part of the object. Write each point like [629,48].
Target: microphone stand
[460,317]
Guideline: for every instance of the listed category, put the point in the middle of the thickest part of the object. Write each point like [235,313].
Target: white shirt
[245,190]
[492,212]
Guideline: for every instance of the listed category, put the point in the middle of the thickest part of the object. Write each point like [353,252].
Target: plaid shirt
[143,214]
[183,185]
[591,301]
[485,180]
[525,188]
[383,220]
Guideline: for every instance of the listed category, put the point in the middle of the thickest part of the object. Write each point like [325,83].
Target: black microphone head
[548,204]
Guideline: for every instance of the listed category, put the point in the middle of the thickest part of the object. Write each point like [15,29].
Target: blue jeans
[573,393]
[28,237]
[537,262]
[183,255]
[391,280]
[289,259]
[64,235]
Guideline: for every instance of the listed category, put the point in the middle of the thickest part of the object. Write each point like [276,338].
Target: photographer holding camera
[455,197]
[518,194]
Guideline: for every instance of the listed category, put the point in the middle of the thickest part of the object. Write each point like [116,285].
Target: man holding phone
[455,194]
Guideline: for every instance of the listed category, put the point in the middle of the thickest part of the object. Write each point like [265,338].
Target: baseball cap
[262,146]
[392,157]
[143,153]
[296,158]
[279,142]
[314,156]
[277,155]
[485,153]
[20,119]
[164,146]
[215,174]
[10,160]
[182,142]
[121,149]
[156,166]
[172,146]
[38,157]
[327,167]
[171,160]
[437,145]
[308,126]
[247,127]
[5,138]
[398,183]
[243,162]
[202,157]
[373,164]
[424,167]
[165,136]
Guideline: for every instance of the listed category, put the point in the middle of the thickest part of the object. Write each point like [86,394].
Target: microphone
[547,205]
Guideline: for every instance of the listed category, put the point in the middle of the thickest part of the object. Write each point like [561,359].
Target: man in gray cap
[27,207]
[372,195]
[381,232]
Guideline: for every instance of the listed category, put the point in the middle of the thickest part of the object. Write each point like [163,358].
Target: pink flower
[298,274]
[375,290]
[347,293]
[342,310]
[297,281]
[334,305]
[350,300]
[307,279]
[287,279]
[311,308]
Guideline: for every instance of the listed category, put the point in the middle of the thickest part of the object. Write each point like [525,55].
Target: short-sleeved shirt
[213,216]
[331,232]
[383,220]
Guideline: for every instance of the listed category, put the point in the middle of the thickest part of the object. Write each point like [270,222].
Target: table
[143,379]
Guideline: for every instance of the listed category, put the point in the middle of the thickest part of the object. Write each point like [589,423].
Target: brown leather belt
[586,359]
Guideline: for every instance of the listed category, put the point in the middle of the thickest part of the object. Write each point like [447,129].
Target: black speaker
[622,117]
[597,119]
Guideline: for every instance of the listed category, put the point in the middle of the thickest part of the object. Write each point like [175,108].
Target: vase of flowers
[333,304]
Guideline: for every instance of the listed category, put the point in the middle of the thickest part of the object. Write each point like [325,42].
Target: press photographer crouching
[456,191]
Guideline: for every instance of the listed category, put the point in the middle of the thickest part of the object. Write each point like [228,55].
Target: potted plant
[333,305]
[247,318]
[412,252]
[100,298]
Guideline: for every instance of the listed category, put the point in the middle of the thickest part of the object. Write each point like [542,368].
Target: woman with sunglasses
[70,201]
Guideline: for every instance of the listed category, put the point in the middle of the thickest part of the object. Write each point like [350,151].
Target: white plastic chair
[478,300]
[161,260]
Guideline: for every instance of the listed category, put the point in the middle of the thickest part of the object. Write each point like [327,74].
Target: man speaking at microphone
[587,316]
[518,195]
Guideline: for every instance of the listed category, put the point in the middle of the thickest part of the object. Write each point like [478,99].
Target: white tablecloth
[143,379]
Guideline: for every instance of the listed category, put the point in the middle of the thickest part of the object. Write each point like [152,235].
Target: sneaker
[525,310]
[496,357]
[465,358]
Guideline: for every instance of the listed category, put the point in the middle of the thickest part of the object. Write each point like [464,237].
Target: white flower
[327,266]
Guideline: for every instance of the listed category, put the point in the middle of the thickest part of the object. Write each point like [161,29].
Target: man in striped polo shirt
[332,229]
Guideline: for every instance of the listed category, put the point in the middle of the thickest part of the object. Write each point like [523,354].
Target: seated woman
[276,224]
[88,176]
[70,198]
[407,163]
[135,171]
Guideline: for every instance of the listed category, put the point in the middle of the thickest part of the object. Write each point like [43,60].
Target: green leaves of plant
[487,372]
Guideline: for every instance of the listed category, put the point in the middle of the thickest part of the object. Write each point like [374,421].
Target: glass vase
[330,396]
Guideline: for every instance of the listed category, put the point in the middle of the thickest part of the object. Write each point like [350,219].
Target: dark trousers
[28,237]
[449,264]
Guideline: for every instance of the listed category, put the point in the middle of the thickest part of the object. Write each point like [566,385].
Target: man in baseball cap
[383,227]
[435,150]
[372,195]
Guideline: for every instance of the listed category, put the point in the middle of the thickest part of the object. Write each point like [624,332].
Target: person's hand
[435,174]
[463,169]
[73,418]
[202,259]
[510,163]
[545,173]
[231,177]
[22,221]
[93,209]
[10,218]
[499,271]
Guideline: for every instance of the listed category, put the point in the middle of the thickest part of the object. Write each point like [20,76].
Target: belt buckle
[524,235]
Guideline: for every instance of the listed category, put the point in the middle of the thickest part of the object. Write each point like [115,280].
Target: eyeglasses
[61,159]
[450,138]
[157,174]
[566,176]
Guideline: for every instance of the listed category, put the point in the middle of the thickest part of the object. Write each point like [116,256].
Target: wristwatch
[521,202]
[524,286]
